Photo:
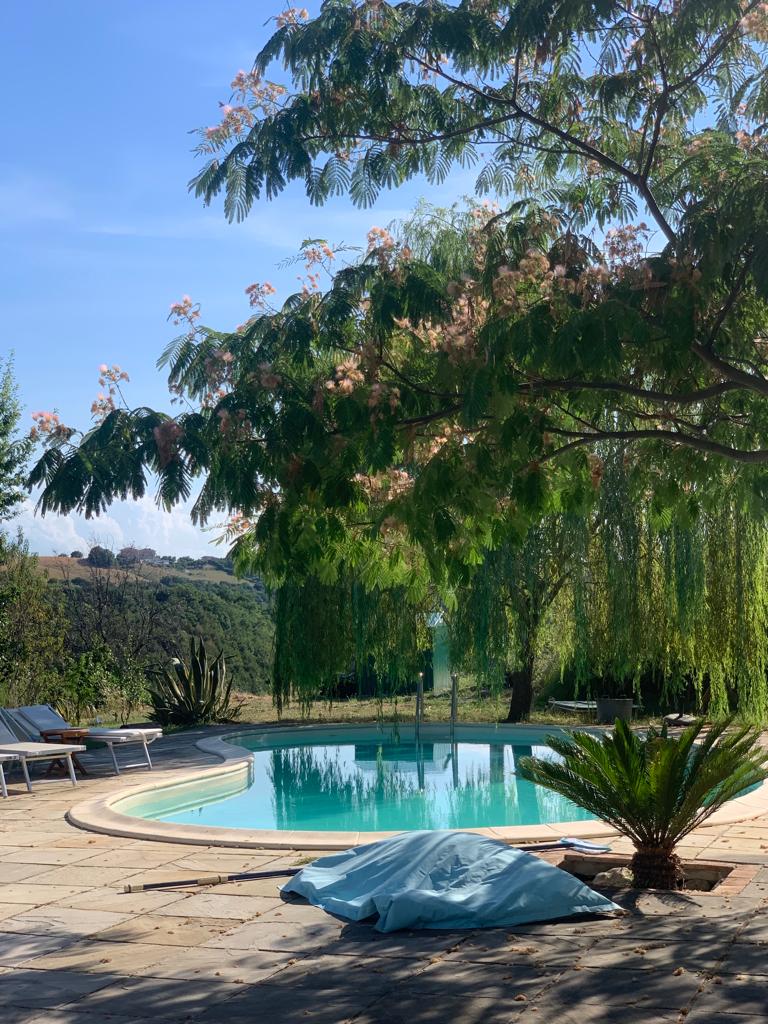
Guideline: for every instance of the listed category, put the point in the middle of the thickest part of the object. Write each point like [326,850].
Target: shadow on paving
[669,955]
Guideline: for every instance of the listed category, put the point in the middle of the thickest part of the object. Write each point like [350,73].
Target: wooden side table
[65,735]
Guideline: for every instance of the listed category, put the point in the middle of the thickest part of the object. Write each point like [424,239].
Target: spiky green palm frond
[193,692]
[653,788]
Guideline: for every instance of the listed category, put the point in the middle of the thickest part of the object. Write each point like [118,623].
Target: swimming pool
[369,779]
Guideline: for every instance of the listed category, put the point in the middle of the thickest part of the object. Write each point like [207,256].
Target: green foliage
[383,92]
[100,557]
[129,689]
[14,451]
[503,605]
[323,631]
[652,788]
[671,600]
[32,627]
[140,619]
[193,692]
[84,686]
[235,619]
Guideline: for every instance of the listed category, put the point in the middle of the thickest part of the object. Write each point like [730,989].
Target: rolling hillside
[60,567]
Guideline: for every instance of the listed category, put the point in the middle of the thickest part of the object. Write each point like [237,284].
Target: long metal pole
[454,700]
[419,704]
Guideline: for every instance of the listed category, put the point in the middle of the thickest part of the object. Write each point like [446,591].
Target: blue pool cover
[443,880]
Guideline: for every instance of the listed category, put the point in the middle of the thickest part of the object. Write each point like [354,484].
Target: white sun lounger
[43,720]
[573,705]
[25,750]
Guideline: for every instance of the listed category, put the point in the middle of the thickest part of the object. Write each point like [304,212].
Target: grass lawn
[258,708]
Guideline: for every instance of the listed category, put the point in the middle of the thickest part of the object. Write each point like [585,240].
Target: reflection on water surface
[382,785]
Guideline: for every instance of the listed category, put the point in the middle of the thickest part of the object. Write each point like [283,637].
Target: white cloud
[54,534]
[280,226]
[169,533]
[129,522]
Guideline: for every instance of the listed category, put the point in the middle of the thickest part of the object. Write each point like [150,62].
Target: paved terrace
[75,950]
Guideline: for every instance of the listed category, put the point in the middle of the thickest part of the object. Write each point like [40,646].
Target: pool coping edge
[98,814]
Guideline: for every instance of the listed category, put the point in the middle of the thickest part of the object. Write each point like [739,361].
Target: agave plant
[653,788]
[193,692]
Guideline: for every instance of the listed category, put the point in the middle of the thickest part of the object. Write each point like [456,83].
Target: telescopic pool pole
[454,701]
[419,705]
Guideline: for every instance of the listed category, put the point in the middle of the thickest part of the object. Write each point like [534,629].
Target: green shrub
[195,692]
[84,686]
[653,788]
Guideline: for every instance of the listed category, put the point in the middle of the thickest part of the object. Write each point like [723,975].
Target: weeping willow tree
[499,613]
[324,631]
[680,601]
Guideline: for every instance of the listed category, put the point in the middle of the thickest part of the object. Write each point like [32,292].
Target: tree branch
[702,444]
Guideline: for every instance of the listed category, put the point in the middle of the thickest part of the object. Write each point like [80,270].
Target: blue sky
[98,234]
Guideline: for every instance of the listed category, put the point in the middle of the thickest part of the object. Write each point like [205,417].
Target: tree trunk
[657,867]
[521,683]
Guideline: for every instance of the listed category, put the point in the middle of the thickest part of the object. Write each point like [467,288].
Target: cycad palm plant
[653,788]
[194,692]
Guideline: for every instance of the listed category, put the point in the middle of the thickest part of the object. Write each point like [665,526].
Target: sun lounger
[45,721]
[26,750]
[573,705]
[581,706]
[680,718]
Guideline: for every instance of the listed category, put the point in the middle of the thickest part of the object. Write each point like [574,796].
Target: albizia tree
[436,399]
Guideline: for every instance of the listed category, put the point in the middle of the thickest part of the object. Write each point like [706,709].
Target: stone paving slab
[224,862]
[362,940]
[37,894]
[553,1011]
[22,837]
[497,946]
[37,990]
[100,957]
[661,989]
[12,909]
[156,998]
[15,948]
[290,937]
[502,982]
[736,994]
[409,1008]
[755,930]
[631,955]
[746,958]
[119,902]
[301,1006]
[126,858]
[62,921]
[252,887]
[167,931]
[71,1015]
[17,872]
[325,973]
[84,875]
[53,856]
[212,903]
[237,966]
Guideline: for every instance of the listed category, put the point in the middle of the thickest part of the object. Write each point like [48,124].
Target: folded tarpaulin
[444,880]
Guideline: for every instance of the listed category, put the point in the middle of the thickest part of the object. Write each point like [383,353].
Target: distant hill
[159,607]
[59,567]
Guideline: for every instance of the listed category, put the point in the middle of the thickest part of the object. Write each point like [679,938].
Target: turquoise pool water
[371,781]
